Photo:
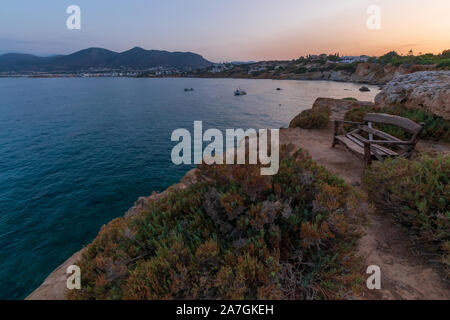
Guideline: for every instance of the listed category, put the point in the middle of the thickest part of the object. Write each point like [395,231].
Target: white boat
[239,92]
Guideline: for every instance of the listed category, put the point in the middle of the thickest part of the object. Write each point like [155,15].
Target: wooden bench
[370,143]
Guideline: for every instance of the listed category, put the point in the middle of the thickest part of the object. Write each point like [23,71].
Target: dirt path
[404,273]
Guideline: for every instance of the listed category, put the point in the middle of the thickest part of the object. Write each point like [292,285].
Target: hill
[136,58]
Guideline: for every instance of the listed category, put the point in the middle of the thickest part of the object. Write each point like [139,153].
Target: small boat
[364,89]
[279,89]
[188,89]
[239,92]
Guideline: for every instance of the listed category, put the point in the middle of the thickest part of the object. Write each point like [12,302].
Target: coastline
[274,96]
[368,73]
[54,285]
[288,78]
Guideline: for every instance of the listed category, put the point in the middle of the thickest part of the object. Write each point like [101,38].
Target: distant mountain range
[136,58]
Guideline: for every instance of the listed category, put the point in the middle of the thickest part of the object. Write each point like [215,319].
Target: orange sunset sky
[225,30]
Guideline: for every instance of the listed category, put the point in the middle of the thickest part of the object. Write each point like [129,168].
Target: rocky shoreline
[365,73]
[54,286]
[428,90]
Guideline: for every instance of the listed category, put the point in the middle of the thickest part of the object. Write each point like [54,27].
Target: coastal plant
[311,119]
[445,63]
[234,234]
[300,70]
[347,67]
[440,60]
[417,194]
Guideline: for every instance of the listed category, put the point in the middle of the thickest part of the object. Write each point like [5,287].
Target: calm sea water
[76,153]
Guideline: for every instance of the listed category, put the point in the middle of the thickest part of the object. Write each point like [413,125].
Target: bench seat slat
[352,146]
[356,138]
[384,135]
[357,146]
[383,150]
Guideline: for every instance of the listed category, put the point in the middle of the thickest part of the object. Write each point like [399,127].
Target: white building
[351,59]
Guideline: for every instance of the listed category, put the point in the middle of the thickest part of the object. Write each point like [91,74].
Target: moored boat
[239,92]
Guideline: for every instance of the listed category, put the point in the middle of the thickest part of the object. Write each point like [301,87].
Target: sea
[76,153]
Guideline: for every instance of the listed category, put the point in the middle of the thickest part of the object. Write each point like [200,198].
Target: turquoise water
[76,153]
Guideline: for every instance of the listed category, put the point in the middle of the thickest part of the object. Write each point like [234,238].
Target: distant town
[250,68]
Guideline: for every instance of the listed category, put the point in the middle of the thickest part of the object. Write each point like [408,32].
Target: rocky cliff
[428,90]
[338,107]
[371,73]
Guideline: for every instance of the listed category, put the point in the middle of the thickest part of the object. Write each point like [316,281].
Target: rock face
[374,73]
[339,107]
[371,73]
[55,285]
[428,90]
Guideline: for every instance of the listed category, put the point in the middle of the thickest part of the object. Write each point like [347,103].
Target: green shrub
[348,67]
[314,69]
[389,57]
[416,193]
[311,119]
[333,57]
[444,64]
[356,115]
[350,99]
[234,235]
[300,70]
[435,127]
[441,60]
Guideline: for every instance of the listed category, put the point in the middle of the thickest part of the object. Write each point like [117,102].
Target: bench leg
[367,155]
[336,130]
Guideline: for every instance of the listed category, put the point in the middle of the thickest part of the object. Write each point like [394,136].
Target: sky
[227,30]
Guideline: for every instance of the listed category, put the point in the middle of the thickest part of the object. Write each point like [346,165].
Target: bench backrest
[404,123]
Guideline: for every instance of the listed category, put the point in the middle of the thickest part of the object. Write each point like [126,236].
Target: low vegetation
[426,59]
[445,63]
[326,64]
[435,127]
[440,60]
[311,119]
[234,235]
[416,193]
[347,67]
